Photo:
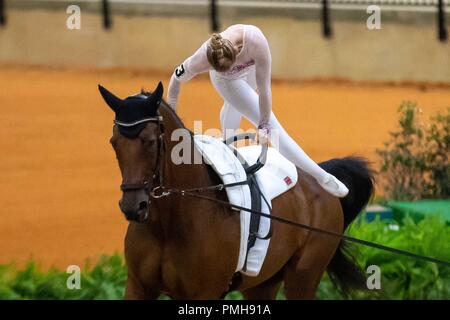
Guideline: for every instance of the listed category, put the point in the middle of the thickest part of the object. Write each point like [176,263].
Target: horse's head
[137,142]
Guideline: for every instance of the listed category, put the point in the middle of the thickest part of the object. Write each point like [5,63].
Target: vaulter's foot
[334,186]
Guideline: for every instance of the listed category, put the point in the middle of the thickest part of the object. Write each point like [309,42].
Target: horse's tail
[357,175]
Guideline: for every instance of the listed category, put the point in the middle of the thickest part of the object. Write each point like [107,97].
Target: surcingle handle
[260,162]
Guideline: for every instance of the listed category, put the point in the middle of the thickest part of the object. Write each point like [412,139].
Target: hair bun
[216,41]
[220,52]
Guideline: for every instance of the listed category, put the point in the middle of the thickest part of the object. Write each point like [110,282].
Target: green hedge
[402,277]
[106,280]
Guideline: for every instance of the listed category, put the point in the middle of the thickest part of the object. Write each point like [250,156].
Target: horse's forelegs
[135,291]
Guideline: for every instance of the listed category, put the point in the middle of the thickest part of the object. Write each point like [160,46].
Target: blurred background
[344,83]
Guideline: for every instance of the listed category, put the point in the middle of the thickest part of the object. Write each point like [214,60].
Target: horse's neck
[184,174]
[183,219]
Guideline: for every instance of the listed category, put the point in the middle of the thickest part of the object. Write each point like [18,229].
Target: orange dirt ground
[59,181]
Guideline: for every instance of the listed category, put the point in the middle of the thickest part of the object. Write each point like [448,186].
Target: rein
[159,191]
[191,193]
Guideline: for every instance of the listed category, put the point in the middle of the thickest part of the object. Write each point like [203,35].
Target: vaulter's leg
[242,97]
[230,120]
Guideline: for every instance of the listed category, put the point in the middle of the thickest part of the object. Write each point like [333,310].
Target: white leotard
[254,52]
[251,71]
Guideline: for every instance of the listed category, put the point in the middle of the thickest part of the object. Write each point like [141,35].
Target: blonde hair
[220,53]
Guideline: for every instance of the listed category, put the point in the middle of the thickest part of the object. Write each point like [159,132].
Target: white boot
[334,186]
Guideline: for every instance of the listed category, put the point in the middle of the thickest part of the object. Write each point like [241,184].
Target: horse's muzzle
[135,205]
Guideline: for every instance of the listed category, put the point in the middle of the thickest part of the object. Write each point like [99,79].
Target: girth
[256,196]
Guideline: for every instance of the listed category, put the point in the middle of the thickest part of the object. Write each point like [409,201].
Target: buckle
[158,192]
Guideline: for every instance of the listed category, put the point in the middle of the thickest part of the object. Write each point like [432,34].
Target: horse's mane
[174,115]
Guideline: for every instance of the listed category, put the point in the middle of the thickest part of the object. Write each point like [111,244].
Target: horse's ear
[111,100]
[157,94]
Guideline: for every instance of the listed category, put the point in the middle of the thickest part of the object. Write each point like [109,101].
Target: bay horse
[188,248]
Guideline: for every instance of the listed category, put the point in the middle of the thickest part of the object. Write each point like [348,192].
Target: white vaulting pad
[277,176]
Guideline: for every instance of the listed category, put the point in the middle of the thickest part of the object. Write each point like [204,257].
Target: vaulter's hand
[263,134]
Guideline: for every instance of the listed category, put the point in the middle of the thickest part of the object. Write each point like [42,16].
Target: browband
[124,124]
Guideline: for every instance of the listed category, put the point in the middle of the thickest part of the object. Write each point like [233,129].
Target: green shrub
[414,162]
[106,280]
[401,277]
[438,146]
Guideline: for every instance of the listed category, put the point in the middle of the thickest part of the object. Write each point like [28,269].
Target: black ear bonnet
[133,113]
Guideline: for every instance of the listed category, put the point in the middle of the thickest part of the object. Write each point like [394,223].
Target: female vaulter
[239,63]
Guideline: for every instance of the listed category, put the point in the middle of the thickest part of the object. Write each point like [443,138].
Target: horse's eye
[148,143]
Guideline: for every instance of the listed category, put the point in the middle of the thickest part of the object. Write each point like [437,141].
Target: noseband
[147,184]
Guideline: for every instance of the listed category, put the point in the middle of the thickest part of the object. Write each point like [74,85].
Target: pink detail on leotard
[238,68]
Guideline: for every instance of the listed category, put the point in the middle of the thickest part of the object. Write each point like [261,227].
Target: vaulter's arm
[195,64]
[263,65]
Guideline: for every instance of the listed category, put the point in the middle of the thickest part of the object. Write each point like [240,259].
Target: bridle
[148,184]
